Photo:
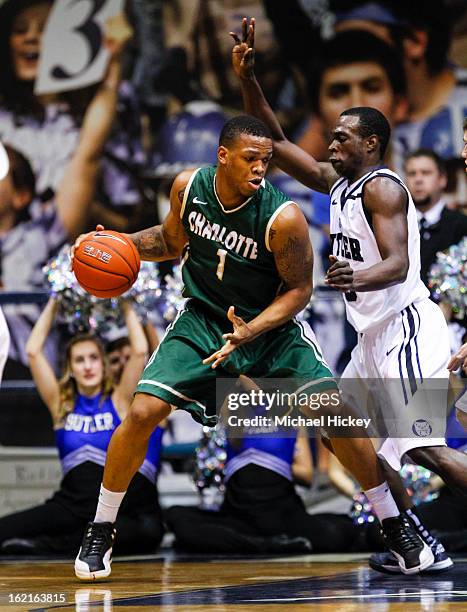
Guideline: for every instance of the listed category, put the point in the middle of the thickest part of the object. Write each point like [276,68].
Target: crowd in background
[108,153]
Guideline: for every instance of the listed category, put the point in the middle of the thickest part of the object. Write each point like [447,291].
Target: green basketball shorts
[176,373]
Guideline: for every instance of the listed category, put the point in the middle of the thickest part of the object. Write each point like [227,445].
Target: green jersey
[228,261]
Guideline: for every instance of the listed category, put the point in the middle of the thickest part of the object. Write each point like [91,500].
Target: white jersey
[353,240]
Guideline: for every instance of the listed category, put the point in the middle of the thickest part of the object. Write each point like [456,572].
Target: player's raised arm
[386,201]
[291,158]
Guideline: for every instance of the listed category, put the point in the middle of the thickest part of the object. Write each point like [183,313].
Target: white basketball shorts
[403,367]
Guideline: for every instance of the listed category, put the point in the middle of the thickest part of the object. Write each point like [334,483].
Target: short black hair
[372,121]
[464,125]
[424,152]
[354,46]
[21,171]
[436,18]
[116,345]
[243,124]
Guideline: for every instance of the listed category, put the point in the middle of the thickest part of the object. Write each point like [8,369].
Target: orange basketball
[106,264]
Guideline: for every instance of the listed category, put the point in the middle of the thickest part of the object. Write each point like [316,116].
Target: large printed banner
[72,55]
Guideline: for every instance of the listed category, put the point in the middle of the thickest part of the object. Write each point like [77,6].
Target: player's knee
[433,458]
[146,411]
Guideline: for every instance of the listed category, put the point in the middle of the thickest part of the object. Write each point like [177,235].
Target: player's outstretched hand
[339,275]
[459,360]
[241,333]
[80,239]
[243,52]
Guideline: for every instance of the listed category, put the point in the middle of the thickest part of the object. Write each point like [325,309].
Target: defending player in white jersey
[376,264]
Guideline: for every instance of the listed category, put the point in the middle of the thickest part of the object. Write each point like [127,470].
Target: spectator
[379,18]
[86,407]
[118,351]
[436,89]
[354,68]
[440,227]
[197,26]
[30,233]
[147,18]
[46,128]
[188,139]
[262,512]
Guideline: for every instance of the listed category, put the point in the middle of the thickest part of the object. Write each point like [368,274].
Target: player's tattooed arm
[294,261]
[151,244]
[166,241]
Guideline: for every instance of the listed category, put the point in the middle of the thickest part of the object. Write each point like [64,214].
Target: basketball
[106,264]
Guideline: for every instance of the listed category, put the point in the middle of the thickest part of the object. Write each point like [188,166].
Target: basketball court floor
[172,582]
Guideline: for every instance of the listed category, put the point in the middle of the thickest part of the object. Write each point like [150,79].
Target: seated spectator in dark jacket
[440,227]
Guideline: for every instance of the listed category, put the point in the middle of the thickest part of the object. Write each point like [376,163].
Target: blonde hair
[67,384]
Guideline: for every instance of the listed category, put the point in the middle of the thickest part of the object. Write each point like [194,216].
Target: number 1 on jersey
[220,268]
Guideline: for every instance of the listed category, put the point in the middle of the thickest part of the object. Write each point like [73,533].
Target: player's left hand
[339,275]
[242,333]
[459,359]
[117,32]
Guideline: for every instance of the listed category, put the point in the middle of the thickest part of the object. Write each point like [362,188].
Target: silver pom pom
[173,293]
[448,278]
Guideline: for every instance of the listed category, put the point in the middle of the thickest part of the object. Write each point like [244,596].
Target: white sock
[108,505]
[382,501]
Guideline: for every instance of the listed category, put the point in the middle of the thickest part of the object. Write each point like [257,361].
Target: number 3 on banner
[92,33]
[220,268]
[72,54]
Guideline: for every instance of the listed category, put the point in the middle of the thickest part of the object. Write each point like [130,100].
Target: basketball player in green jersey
[247,265]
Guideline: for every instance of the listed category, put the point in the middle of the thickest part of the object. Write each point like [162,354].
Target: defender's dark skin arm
[289,241]
[291,158]
[387,203]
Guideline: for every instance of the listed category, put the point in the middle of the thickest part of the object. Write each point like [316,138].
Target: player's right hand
[243,52]
[80,239]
